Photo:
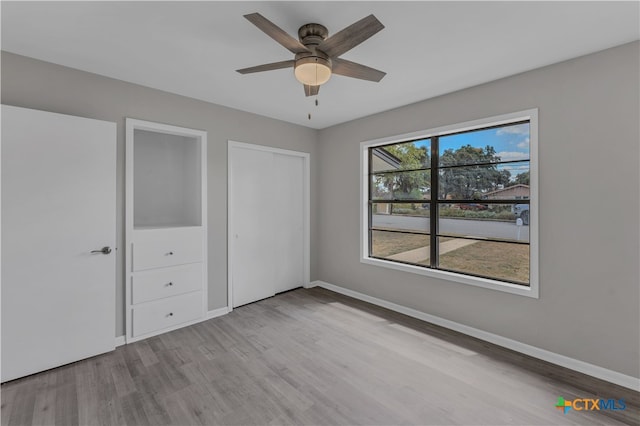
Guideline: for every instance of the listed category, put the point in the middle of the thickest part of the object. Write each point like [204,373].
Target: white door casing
[58,204]
[268,221]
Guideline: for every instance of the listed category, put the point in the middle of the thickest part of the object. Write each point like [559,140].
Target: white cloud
[512,155]
[514,169]
[518,129]
[524,144]
[517,170]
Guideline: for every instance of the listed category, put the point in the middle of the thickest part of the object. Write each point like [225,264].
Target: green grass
[386,244]
[491,259]
[504,261]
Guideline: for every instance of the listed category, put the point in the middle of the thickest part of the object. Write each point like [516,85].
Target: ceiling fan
[317,54]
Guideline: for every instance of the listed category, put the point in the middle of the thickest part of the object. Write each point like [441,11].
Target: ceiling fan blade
[276,33]
[268,67]
[311,90]
[355,70]
[351,36]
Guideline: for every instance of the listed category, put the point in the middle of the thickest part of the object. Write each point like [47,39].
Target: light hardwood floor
[309,357]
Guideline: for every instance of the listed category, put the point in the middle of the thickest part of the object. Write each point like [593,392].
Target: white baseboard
[120,340]
[543,354]
[217,312]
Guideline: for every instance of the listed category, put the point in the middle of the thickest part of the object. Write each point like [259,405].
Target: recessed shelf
[166,180]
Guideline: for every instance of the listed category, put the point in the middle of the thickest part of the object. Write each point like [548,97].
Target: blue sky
[510,142]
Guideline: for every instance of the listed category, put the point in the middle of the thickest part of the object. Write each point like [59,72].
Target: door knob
[103,250]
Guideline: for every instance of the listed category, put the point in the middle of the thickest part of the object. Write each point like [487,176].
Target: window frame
[530,115]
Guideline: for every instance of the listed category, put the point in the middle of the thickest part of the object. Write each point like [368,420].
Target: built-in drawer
[165,313]
[157,248]
[165,282]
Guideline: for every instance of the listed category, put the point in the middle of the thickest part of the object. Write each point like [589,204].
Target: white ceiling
[427,48]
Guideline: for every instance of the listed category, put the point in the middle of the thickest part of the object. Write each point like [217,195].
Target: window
[457,203]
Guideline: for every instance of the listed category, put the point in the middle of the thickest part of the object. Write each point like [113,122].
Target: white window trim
[533,289]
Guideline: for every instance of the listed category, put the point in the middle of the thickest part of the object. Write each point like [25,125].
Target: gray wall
[589,189]
[589,220]
[40,85]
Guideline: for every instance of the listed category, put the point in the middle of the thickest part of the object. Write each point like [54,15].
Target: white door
[58,205]
[267,235]
[288,220]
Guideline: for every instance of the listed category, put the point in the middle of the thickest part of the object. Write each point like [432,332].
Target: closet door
[252,215]
[288,220]
[58,205]
[266,222]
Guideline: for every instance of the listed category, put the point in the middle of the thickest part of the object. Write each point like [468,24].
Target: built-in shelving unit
[166,231]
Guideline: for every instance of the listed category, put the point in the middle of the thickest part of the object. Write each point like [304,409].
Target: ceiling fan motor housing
[315,56]
[312,34]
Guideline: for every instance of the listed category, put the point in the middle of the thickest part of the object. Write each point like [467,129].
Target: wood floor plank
[66,405]
[309,357]
[8,405]
[219,400]
[22,410]
[44,408]
[155,410]
[132,410]
[122,380]
[87,393]
[198,405]
[132,360]
[146,353]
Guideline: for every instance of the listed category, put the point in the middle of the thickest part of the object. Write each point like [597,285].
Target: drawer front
[165,282]
[165,313]
[158,248]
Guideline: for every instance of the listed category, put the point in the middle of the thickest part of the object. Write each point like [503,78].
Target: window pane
[503,261]
[497,221]
[402,156]
[412,217]
[506,143]
[401,186]
[490,182]
[412,248]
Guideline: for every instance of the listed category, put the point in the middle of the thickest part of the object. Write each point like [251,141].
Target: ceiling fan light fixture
[313,71]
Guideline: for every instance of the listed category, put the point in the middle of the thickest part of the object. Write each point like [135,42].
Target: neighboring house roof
[387,157]
[508,188]
[518,188]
